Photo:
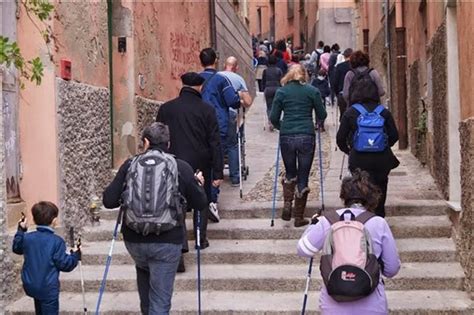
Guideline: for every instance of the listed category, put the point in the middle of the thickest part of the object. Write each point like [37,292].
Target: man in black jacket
[339,76]
[195,138]
[156,256]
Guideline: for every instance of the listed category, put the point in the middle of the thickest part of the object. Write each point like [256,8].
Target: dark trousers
[156,265]
[47,307]
[380,179]
[297,152]
[342,104]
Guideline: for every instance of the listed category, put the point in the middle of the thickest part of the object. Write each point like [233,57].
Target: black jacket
[370,161]
[271,77]
[188,187]
[194,132]
[340,75]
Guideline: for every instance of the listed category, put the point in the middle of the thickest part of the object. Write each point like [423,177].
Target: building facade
[421,48]
[64,138]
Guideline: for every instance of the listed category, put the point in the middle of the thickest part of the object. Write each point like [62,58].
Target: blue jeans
[297,152]
[46,307]
[156,265]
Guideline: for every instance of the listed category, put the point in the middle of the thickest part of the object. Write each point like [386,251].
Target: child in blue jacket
[45,255]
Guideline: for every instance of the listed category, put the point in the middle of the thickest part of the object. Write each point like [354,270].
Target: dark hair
[281,45]
[347,52]
[322,72]
[44,212]
[320,43]
[359,59]
[358,189]
[327,49]
[208,57]
[272,60]
[157,133]
[279,54]
[335,47]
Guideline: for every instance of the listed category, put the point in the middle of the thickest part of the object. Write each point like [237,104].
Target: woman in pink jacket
[359,195]
[324,59]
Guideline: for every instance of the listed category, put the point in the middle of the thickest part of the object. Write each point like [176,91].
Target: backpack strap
[379,109]
[365,216]
[361,109]
[332,216]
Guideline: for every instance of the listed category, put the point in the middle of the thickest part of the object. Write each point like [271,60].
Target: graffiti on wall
[184,53]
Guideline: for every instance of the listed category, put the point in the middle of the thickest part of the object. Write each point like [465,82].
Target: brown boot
[288,194]
[300,206]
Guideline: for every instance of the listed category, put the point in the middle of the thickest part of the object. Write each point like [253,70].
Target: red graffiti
[184,53]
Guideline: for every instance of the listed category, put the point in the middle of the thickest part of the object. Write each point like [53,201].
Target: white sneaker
[213,212]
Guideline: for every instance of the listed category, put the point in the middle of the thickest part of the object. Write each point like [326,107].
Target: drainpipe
[389,55]
[111,75]
[212,20]
[401,76]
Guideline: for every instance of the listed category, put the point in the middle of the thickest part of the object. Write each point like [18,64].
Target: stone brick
[147,110]
[84,148]
[465,235]
[439,155]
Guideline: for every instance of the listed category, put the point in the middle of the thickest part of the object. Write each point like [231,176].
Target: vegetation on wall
[10,53]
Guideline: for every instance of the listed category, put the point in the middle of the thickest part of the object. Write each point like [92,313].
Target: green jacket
[297,101]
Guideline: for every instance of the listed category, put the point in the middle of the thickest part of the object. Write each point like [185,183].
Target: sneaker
[213,212]
[235,183]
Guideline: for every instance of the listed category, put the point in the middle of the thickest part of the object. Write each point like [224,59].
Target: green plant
[10,53]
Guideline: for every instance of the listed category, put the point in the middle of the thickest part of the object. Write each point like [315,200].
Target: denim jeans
[156,265]
[46,307]
[297,152]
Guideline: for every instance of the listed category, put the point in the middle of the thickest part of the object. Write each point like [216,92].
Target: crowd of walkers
[182,167]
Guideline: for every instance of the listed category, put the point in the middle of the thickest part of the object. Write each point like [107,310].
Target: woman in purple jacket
[359,195]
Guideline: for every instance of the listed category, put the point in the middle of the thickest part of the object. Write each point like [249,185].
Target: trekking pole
[308,280]
[108,261]
[277,164]
[71,236]
[240,162]
[310,268]
[342,166]
[198,249]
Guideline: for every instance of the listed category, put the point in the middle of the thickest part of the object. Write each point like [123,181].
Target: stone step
[274,251]
[402,227]
[254,209]
[412,276]
[410,302]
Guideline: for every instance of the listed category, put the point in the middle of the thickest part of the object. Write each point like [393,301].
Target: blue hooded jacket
[219,92]
[45,255]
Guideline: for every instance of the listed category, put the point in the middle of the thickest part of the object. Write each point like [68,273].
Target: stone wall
[378,58]
[146,112]
[465,235]
[438,143]
[84,147]
[416,110]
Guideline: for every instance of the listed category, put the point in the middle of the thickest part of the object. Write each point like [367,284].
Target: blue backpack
[370,135]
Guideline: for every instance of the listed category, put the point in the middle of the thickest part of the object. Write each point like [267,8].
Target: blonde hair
[295,73]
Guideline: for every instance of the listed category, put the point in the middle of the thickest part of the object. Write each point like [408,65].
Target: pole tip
[272,224]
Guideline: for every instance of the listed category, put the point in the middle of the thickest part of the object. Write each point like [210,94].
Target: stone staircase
[252,268]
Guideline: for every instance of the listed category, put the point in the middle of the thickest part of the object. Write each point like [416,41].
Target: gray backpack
[153,203]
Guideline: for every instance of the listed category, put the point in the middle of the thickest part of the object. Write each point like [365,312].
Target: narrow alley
[252,268]
[81,81]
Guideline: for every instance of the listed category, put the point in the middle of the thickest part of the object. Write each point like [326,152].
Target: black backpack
[363,88]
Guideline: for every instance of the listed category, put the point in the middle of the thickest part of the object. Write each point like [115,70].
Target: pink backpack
[349,267]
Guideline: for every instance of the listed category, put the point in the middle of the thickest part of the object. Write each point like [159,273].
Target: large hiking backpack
[363,87]
[153,203]
[370,135]
[349,267]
